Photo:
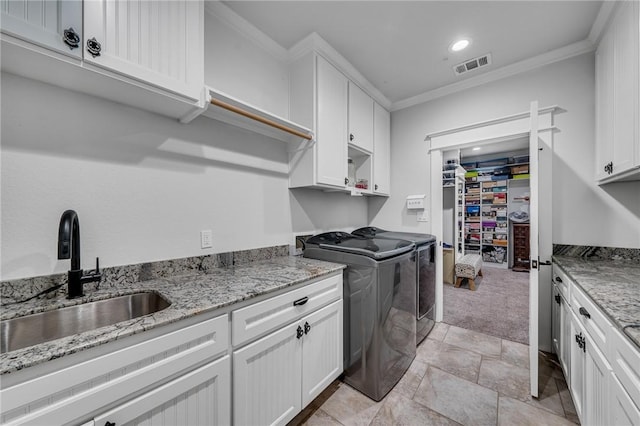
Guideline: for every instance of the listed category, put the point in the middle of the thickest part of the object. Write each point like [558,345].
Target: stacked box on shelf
[500,198]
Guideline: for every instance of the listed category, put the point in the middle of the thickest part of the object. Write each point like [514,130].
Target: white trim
[313,42]
[606,11]
[500,120]
[246,28]
[566,52]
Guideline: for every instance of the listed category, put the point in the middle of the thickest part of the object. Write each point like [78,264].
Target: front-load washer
[379,307]
[425,274]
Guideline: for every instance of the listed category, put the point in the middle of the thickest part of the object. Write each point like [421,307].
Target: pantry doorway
[536,125]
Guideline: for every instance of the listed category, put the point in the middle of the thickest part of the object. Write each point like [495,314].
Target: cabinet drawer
[562,281]
[65,395]
[625,361]
[592,319]
[259,318]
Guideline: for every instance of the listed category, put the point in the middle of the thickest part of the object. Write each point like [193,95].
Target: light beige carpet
[499,306]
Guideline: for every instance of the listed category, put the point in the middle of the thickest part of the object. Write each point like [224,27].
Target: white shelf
[223,107]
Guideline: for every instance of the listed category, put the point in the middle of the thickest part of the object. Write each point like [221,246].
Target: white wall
[144,186]
[583,212]
[238,66]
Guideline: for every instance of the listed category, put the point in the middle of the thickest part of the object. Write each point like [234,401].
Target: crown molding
[604,14]
[566,52]
[314,43]
[247,29]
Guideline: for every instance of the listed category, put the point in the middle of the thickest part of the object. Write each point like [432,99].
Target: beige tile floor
[458,377]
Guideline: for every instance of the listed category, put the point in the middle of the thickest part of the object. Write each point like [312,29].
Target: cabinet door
[266,379]
[565,338]
[604,105]
[321,350]
[596,386]
[625,94]
[577,360]
[556,308]
[200,397]
[381,150]
[157,42]
[331,125]
[360,118]
[623,411]
[43,22]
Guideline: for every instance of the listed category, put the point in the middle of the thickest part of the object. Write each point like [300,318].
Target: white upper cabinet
[381,150]
[360,118]
[158,42]
[331,117]
[618,97]
[55,25]
[146,54]
[319,101]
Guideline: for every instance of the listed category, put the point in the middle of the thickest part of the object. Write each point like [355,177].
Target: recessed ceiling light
[459,45]
[477,148]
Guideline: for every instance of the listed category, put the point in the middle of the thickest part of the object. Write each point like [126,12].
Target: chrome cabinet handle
[299,332]
[307,327]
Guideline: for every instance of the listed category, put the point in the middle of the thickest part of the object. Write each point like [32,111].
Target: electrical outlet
[424,216]
[206,239]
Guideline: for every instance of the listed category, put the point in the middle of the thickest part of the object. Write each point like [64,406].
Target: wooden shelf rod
[262,120]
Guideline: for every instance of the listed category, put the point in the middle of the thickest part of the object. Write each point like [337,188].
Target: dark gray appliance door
[382,325]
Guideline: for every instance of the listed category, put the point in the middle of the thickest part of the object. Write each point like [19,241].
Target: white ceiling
[401,47]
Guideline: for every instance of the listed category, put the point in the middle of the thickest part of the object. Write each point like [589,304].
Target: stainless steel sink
[32,329]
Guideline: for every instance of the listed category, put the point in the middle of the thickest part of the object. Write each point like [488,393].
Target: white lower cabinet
[589,378]
[623,411]
[201,397]
[602,366]
[576,373]
[279,374]
[561,329]
[155,378]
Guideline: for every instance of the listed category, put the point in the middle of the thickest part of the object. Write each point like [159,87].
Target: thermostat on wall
[415,202]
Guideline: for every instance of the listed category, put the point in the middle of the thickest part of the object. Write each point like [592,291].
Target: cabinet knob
[307,327]
[299,332]
[93,47]
[558,298]
[346,181]
[71,38]
[558,279]
[584,312]
[375,186]
[108,423]
[351,137]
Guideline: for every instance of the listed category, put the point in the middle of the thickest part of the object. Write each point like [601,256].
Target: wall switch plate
[206,239]
[415,202]
[423,216]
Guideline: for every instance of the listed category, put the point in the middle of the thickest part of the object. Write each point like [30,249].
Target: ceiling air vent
[472,64]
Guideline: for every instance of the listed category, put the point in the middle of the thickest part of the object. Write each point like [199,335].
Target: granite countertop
[614,285]
[190,294]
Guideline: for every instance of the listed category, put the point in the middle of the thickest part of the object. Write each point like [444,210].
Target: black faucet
[69,247]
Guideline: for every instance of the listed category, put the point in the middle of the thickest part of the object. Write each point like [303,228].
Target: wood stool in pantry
[468,267]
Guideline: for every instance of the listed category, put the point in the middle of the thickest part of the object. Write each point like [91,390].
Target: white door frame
[487,132]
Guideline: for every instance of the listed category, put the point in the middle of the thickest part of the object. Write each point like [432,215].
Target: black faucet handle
[93,275]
